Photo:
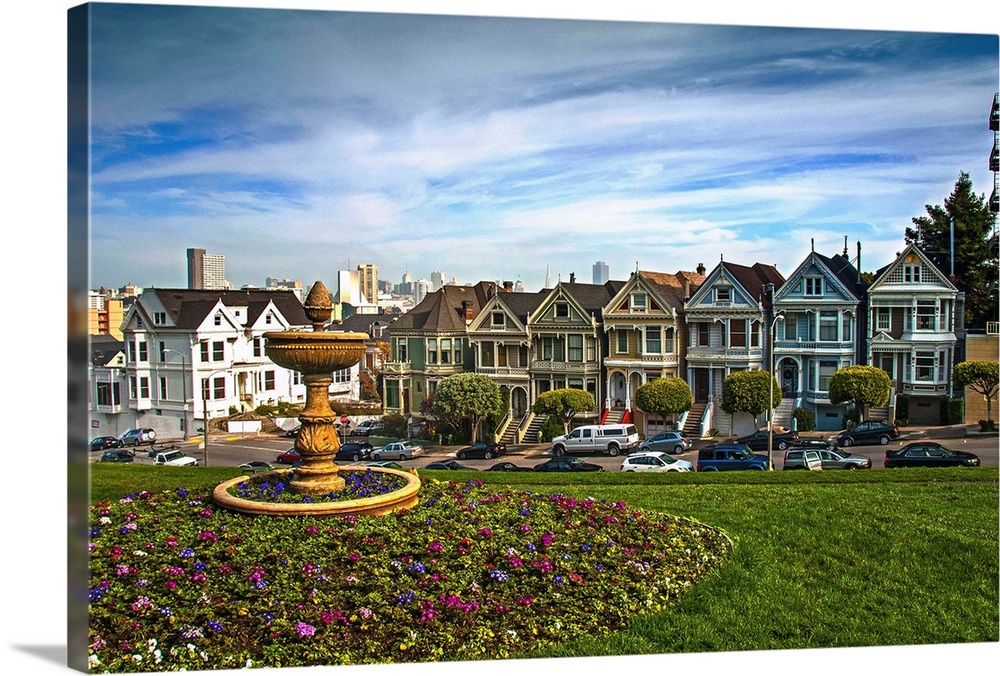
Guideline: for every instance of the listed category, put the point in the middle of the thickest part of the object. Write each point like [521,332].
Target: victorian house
[192,353]
[502,346]
[430,343]
[644,336]
[819,328]
[107,385]
[914,313]
[567,339]
[727,320]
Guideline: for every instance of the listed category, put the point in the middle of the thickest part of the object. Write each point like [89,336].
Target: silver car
[397,450]
[668,442]
[655,461]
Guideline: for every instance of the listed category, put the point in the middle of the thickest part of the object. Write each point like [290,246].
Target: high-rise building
[421,288]
[437,280]
[368,281]
[600,272]
[205,270]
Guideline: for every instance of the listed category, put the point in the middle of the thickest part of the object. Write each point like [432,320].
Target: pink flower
[303,629]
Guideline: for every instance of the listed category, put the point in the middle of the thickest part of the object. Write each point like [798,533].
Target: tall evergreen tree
[975,261]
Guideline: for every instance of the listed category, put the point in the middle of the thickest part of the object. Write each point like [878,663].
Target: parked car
[145,435]
[400,450]
[564,464]
[834,458]
[294,432]
[610,439]
[118,456]
[482,449]
[367,428]
[447,464]
[507,466]
[390,464]
[726,457]
[868,432]
[758,440]
[288,457]
[667,442]
[929,454]
[175,459]
[813,443]
[355,451]
[803,458]
[255,466]
[154,449]
[655,461]
[102,443]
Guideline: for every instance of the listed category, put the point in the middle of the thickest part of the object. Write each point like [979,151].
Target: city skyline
[500,148]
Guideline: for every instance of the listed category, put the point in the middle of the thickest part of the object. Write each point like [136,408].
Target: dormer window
[911,274]
[723,295]
[562,310]
[159,318]
[638,304]
[218,319]
[812,286]
[267,318]
[497,320]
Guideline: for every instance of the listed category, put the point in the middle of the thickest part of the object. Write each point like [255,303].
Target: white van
[610,439]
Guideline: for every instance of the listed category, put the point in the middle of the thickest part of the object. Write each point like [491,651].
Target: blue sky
[301,143]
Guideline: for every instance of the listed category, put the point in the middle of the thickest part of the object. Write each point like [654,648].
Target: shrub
[987,426]
[394,425]
[713,432]
[900,422]
[805,419]
[903,406]
[551,428]
[952,411]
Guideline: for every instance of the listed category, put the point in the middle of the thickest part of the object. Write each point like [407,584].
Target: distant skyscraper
[205,270]
[600,272]
[437,280]
[548,278]
[421,288]
[368,279]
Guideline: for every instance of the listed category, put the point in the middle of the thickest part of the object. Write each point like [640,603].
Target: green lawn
[822,559]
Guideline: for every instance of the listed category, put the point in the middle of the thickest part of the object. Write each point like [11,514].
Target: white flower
[93,661]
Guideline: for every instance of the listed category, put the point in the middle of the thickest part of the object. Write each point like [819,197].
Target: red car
[289,456]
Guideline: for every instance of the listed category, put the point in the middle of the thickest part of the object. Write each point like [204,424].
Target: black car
[567,464]
[758,440]
[481,449]
[294,432]
[929,454]
[508,467]
[868,432]
[355,451]
[447,464]
[118,456]
[103,443]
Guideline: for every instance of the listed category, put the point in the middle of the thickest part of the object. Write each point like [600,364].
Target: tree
[981,376]
[975,260]
[747,391]
[564,404]
[664,396]
[472,397]
[863,386]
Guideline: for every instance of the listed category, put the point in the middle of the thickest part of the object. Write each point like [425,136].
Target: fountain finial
[318,307]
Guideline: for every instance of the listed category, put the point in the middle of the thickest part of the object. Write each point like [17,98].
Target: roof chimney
[700,269]
[467,310]
[508,286]
[572,278]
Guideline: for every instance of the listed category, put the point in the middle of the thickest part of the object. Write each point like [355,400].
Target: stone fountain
[316,355]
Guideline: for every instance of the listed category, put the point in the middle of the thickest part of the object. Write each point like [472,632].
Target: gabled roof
[362,323]
[674,288]
[442,310]
[104,348]
[188,308]
[593,297]
[885,275]
[752,279]
[844,270]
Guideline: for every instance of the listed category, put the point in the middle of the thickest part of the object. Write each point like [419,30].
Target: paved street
[232,450]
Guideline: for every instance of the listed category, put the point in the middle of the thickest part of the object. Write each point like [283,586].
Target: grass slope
[823,559]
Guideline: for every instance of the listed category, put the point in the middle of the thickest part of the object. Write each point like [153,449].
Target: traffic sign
[344,419]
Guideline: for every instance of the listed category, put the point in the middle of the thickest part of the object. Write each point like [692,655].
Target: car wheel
[613,450]
[558,451]
[135,442]
[678,450]
[710,469]
[782,445]
[884,439]
[850,467]
[402,457]
[489,455]
[461,456]
[848,442]
[356,457]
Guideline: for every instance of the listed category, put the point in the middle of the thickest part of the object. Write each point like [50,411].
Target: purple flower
[187,553]
[214,625]
[499,575]
[303,629]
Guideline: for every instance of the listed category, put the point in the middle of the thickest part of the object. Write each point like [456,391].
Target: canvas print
[427,338]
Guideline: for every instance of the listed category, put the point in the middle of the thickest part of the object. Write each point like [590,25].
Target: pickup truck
[175,459]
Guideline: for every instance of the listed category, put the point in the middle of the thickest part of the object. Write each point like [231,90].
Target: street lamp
[204,411]
[183,387]
[779,317]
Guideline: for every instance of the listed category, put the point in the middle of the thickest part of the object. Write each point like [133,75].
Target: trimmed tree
[861,385]
[982,376]
[747,391]
[664,396]
[472,397]
[564,404]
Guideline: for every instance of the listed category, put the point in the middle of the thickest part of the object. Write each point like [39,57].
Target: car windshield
[574,461]
[173,456]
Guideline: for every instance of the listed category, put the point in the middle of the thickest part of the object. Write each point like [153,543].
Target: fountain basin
[399,500]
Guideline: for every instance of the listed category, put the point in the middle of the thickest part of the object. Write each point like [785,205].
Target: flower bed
[272,487]
[471,573]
